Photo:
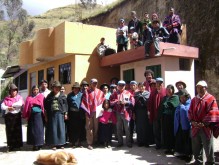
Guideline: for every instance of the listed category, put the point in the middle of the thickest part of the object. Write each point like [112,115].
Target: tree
[88,3]
[15,29]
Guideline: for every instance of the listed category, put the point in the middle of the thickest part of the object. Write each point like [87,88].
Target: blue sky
[36,7]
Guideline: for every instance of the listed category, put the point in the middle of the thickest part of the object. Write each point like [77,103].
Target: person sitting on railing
[101,47]
[173,24]
[159,34]
[135,41]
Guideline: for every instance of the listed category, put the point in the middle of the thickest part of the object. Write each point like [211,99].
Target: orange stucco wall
[69,42]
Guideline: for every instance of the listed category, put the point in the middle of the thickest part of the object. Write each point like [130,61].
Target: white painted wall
[169,71]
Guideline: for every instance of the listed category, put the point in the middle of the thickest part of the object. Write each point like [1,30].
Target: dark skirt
[168,131]
[13,130]
[142,126]
[76,126]
[55,129]
[183,142]
[105,132]
[35,129]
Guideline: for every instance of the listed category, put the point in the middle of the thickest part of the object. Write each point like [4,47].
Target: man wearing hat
[155,99]
[44,88]
[122,102]
[202,137]
[180,85]
[76,116]
[91,100]
[84,86]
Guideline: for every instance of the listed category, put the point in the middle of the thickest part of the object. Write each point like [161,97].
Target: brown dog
[58,158]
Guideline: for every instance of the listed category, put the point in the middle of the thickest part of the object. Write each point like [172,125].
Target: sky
[36,7]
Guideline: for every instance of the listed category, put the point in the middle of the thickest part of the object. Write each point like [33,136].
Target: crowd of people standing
[171,120]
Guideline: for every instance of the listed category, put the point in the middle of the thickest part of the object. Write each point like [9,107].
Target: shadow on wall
[102,74]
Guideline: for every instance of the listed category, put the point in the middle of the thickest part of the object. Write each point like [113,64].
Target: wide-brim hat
[76,85]
[13,87]
[103,85]
[184,84]
[56,84]
[84,83]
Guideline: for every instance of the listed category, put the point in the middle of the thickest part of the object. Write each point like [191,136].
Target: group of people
[170,120]
[147,32]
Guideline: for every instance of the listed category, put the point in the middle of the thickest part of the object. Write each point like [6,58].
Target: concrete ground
[99,156]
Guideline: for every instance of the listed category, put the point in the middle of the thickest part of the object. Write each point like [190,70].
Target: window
[65,73]
[184,64]
[50,76]
[156,69]
[40,76]
[21,81]
[32,79]
[129,75]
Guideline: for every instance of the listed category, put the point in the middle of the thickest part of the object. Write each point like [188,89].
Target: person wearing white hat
[202,134]
[122,102]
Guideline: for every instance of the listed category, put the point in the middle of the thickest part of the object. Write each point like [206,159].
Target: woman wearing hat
[12,105]
[56,110]
[182,126]
[76,117]
[35,115]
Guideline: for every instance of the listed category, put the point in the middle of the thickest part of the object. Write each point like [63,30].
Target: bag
[36,109]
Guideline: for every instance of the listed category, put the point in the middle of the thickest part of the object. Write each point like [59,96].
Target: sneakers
[158,54]
[146,55]
[90,147]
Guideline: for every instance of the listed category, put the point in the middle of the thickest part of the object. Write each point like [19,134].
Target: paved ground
[99,156]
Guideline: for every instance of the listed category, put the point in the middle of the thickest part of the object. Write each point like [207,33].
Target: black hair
[171,87]
[149,71]
[105,101]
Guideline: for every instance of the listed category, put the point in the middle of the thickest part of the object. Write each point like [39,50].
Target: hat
[113,85]
[132,28]
[133,82]
[202,83]
[153,81]
[93,80]
[44,81]
[103,85]
[12,87]
[56,84]
[76,85]
[183,92]
[159,79]
[84,83]
[133,12]
[134,35]
[122,20]
[184,84]
[121,82]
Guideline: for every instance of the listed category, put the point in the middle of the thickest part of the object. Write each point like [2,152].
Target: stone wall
[201,19]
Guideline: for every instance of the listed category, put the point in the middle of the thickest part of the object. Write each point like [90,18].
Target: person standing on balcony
[136,23]
[122,36]
[172,23]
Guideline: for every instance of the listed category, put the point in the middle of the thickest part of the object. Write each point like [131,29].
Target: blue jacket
[181,117]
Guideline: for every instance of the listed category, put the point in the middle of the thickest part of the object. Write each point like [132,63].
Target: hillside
[200,18]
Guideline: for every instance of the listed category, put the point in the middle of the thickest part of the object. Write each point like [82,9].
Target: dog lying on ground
[58,158]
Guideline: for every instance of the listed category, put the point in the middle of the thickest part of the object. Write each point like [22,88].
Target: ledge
[132,55]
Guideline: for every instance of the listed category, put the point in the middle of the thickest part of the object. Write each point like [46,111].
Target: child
[106,122]
[122,41]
